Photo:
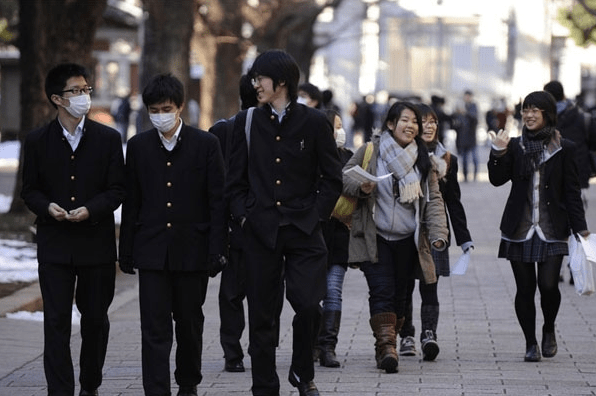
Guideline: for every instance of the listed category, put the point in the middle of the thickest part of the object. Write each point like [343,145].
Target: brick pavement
[482,346]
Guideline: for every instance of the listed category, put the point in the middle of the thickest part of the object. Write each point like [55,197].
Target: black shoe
[532,354]
[407,346]
[305,388]
[88,393]
[549,345]
[430,347]
[328,358]
[187,390]
[234,366]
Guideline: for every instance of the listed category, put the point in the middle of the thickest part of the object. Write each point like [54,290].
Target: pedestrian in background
[544,206]
[173,231]
[576,125]
[336,236]
[310,95]
[465,122]
[73,180]
[283,181]
[406,205]
[232,287]
[446,165]
[121,110]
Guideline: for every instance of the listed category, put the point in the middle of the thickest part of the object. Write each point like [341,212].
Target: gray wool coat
[432,222]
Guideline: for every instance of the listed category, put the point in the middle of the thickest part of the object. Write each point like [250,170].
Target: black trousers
[232,291]
[93,291]
[164,295]
[301,261]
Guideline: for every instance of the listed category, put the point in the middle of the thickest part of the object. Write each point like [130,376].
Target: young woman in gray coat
[396,222]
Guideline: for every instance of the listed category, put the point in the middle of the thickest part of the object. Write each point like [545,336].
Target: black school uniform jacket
[561,184]
[291,173]
[92,176]
[174,210]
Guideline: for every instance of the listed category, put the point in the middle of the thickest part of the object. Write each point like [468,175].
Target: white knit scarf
[401,163]
[437,156]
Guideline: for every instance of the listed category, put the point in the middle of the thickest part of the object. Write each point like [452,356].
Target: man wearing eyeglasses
[73,180]
[283,180]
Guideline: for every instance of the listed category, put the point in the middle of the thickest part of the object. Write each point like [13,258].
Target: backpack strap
[247,126]
[367,155]
[229,132]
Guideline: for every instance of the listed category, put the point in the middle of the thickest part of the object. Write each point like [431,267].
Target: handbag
[346,204]
[582,258]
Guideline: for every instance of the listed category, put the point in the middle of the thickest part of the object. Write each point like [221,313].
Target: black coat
[92,176]
[561,182]
[336,233]
[452,197]
[292,170]
[573,124]
[174,208]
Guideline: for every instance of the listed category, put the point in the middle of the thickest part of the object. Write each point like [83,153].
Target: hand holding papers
[362,176]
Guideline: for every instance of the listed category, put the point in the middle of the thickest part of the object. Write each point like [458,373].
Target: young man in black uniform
[173,231]
[283,180]
[73,180]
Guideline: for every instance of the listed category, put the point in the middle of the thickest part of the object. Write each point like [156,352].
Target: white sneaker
[407,346]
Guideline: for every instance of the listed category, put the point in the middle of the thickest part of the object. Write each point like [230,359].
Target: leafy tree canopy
[580,18]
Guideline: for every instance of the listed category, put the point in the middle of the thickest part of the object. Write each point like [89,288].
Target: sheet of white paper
[360,175]
[461,265]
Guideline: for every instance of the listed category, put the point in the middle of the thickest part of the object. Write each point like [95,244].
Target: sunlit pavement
[482,346]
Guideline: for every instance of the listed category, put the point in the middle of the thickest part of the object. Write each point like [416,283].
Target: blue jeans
[335,284]
[465,156]
[388,279]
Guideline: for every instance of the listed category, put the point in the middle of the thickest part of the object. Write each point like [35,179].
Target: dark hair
[327,96]
[393,114]
[545,102]
[426,110]
[437,100]
[313,92]
[59,75]
[555,88]
[248,93]
[280,67]
[161,88]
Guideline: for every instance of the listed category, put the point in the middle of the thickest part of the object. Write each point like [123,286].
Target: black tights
[550,296]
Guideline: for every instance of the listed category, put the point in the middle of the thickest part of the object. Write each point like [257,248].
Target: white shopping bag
[461,265]
[582,258]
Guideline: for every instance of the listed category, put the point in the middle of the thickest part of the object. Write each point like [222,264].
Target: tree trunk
[221,48]
[166,48]
[50,32]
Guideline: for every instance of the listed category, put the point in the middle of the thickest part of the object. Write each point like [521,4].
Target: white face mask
[164,122]
[302,100]
[340,137]
[79,105]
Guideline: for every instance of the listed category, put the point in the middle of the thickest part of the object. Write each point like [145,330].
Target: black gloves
[215,264]
[127,265]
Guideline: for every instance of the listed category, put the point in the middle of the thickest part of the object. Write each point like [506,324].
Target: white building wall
[443,49]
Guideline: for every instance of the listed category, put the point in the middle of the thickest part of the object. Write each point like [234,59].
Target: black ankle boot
[532,354]
[549,344]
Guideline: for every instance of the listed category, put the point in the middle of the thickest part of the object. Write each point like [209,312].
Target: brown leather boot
[383,327]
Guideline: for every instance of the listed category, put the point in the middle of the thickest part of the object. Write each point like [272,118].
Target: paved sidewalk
[482,346]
